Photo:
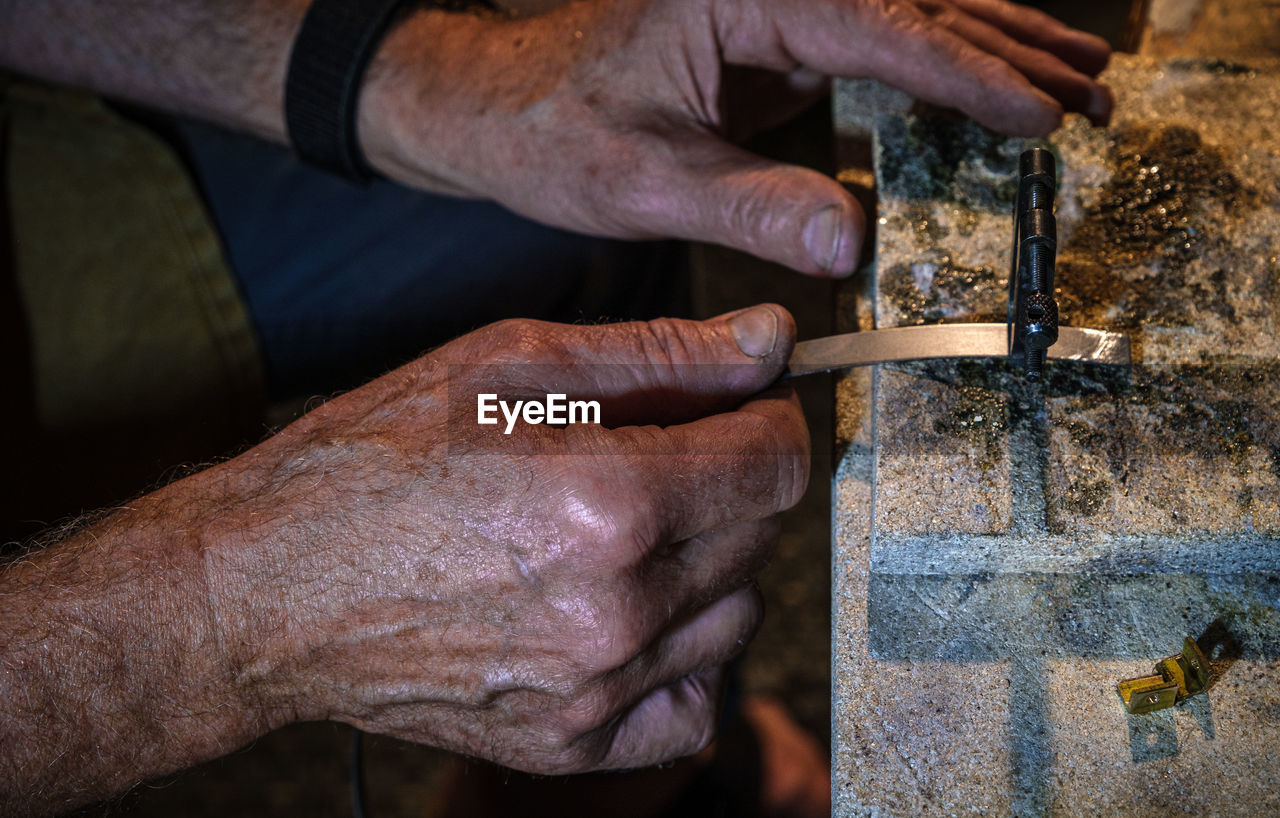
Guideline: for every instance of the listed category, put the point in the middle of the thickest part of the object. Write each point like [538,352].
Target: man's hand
[556,600]
[604,116]
[609,117]
[559,599]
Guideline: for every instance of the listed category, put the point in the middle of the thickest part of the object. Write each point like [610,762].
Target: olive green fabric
[141,352]
[130,302]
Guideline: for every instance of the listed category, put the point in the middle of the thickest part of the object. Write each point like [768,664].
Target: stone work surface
[1006,551]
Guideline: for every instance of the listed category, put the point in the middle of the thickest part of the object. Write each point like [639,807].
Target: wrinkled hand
[609,117]
[556,600]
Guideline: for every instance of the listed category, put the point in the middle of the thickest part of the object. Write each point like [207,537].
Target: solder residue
[1129,261]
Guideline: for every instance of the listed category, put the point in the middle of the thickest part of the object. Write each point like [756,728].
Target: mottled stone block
[1167,227]
[1006,552]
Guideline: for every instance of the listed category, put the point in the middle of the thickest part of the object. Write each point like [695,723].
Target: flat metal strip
[947,341]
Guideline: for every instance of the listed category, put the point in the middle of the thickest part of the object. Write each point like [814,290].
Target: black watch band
[333,48]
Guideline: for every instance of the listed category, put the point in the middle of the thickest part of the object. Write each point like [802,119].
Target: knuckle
[519,341]
[992,71]
[606,640]
[994,75]
[586,714]
[567,755]
[586,754]
[668,341]
[607,511]
[747,214]
[621,646]
[586,515]
[635,517]
[515,333]
[889,14]
[939,12]
[766,206]
[635,509]
[576,759]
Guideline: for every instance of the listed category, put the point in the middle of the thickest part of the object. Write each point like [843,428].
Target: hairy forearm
[226,63]
[111,671]
[222,61]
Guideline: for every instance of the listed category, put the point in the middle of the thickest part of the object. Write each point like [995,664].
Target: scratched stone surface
[1005,552]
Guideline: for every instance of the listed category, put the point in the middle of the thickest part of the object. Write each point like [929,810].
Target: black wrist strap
[333,48]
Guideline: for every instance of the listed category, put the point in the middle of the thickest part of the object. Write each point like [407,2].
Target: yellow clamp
[1176,678]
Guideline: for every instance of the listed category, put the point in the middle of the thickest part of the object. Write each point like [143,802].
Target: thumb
[663,371]
[718,192]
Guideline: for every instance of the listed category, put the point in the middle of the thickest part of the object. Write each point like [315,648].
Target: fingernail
[755,330]
[822,236]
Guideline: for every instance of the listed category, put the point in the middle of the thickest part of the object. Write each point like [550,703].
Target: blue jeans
[344,283]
